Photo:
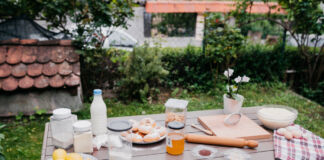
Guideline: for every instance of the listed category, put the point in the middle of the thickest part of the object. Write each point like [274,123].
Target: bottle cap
[97,92]
[61,113]
[175,125]
[82,126]
[119,125]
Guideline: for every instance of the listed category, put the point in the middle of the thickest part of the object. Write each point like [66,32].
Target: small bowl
[273,122]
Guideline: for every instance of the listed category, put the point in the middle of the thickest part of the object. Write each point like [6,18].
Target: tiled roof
[207,6]
[31,63]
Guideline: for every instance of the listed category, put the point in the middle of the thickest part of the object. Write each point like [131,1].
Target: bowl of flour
[277,116]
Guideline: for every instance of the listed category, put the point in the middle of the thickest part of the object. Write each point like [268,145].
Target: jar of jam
[175,138]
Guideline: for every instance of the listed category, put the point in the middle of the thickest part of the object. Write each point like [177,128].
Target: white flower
[245,79]
[238,79]
[229,72]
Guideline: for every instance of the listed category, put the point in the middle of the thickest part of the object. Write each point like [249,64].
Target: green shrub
[142,73]
[261,63]
[99,69]
[316,94]
[188,67]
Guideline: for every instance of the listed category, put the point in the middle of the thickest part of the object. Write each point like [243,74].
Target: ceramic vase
[233,105]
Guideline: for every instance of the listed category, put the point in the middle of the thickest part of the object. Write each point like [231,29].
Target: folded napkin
[308,147]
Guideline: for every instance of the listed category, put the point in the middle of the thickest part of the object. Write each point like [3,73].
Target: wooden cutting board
[246,128]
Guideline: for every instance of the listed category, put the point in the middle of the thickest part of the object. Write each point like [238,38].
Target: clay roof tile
[14,54]
[65,42]
[29,55]
[5,70]
[43,54]
[56,81]
[10,84]
[49,42]
[3,54]
[41,82]
[65,68]
[26,64]
[28,41]
[26,82]
[72,80]
[34,69]
[19,70]
[50,69]
[10,41]
[58,55]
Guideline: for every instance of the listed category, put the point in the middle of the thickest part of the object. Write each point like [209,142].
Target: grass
[24,137]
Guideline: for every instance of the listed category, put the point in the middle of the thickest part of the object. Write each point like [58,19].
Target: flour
[276,113]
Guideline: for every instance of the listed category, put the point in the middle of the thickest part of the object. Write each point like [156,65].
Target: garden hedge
[189,68]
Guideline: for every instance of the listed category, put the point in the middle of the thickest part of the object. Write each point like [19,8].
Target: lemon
[59,154]
[73,156]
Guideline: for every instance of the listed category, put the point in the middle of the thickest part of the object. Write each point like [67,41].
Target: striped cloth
[310,147]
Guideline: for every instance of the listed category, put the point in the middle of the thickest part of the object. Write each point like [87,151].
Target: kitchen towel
[309,147]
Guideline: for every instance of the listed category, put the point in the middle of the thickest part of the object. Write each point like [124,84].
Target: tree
[304,18]
[222,42]
[90,17]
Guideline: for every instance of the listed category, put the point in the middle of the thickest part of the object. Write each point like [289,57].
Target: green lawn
[24,137]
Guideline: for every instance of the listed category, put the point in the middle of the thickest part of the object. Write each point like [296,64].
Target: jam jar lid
[176,125]
[119,125]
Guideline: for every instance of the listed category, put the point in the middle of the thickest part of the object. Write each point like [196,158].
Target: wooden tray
[246,128]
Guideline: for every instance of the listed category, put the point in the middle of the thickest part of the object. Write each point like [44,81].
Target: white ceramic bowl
[275,121]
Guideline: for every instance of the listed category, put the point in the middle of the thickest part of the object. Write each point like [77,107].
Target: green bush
[142,72]
[316,94]
[99,69]
[261,63]
[188,67]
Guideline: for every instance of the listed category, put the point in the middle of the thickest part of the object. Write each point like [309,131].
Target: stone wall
[29,101]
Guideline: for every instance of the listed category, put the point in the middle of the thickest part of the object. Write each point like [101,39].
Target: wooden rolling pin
[233,142]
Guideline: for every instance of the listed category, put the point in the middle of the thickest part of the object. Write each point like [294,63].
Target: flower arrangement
[232,90]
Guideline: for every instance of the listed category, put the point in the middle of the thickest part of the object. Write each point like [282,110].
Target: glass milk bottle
[98,112]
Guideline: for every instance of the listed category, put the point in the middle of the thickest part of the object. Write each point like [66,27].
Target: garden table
[264,151]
